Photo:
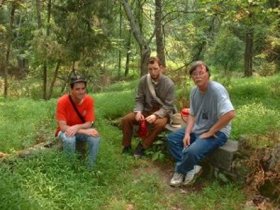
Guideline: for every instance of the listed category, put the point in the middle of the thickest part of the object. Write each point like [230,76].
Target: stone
[224,155]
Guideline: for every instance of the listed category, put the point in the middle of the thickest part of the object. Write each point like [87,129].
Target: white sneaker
[177,179]
[192,175]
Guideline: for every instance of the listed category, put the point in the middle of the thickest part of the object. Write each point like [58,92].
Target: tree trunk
[45,66]
[49,16]
[38,8]
[128,52]
[139,13]
[143,45]
[9,43]
[66,81]
[54,79]
[39,22]
[145,55]
[159,32]
[120,36]
[248,57]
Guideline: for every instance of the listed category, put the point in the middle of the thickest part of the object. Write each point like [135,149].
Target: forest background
[43,42]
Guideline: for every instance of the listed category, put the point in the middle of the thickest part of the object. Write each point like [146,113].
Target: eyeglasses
[198,73]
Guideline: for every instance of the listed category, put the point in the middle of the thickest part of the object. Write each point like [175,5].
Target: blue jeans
[198,149]
[69,145]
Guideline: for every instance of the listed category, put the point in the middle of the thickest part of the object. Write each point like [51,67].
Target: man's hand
[187,140]
[92,132]
[139,116]
[206,135]
[152,118]
[71,130]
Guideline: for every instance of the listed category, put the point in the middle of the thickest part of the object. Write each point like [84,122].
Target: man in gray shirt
[151,112]
[207,129]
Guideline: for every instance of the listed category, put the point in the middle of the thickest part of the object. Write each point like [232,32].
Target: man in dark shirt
[154,111]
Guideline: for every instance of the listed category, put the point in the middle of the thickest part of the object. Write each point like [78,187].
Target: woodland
[43,42]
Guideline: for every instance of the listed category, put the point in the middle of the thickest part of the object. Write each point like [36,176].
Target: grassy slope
[49,181]
[24,122]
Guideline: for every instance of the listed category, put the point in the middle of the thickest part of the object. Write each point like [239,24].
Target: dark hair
[76,79]
[152,60]
[195,64]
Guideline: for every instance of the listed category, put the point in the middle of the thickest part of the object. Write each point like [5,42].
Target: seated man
[154,108]
[75,116]
[208,126]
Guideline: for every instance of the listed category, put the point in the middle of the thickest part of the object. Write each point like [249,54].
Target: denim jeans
[198,149]
[69,145]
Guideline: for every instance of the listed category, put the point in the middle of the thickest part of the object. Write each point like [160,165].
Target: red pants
[154,129]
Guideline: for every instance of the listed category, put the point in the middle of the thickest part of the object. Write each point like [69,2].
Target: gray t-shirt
[208,107]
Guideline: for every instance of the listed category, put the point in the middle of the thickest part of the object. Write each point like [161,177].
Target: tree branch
[133,24]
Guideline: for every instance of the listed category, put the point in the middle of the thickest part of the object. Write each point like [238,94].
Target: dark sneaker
[127,150]
[139,151]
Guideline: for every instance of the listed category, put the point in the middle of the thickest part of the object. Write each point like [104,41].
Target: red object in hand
[143,129]
[185,112]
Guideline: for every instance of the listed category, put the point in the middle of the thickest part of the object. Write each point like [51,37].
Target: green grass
[111,105]
[23,122]
[48,180]
[257,103]
[229,196]
[121,86]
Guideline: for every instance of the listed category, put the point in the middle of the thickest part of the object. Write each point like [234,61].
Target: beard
[155,77]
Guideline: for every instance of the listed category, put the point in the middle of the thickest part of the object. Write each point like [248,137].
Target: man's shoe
[192,175]
[127,150]
[139,151]
[176,180]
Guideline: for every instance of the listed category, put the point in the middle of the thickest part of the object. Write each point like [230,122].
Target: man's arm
[190,124]
[140,97]
[90,132]
[72,130]
[139,101]
[222,122]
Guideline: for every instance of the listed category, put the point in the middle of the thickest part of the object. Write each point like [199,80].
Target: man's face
[200,76]
[78,91]
[154,70]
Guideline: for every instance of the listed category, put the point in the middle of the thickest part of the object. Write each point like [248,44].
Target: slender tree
[9,43]
[40,27]
[159,32]
[145,49]
[248,55]
[120,36]
[128,53]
